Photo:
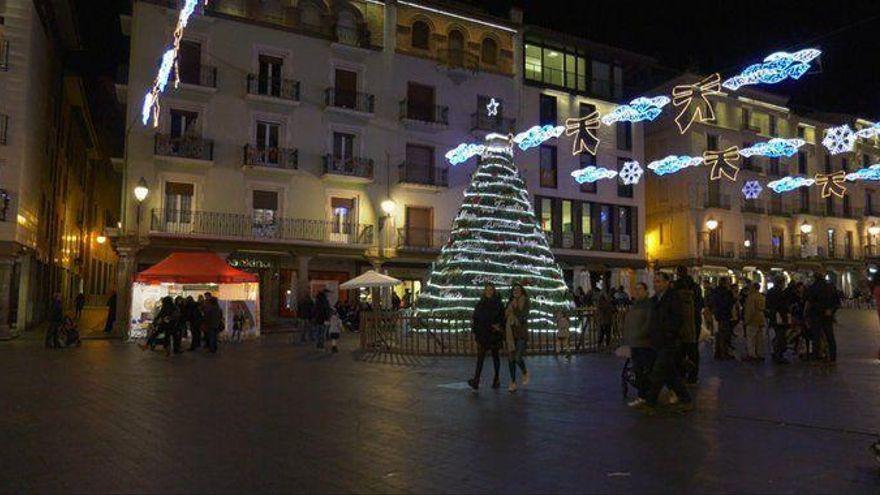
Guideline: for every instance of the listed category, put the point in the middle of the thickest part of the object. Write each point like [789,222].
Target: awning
[194,268]
[370,279]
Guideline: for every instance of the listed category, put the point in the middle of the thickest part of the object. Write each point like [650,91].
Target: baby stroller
[69,332]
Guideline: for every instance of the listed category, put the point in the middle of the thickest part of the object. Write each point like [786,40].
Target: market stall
[192,275]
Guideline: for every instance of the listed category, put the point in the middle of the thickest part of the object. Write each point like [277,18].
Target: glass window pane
[553,67]
[546,214]
[570,72]
[533,63]
[581,74]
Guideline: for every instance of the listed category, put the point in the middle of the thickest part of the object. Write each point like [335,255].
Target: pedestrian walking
[778,307]
[334,331]
[517,334]
[487,326]
[305,312]
[111,313]
[214,323]
[605,315]
[692,300]
[821,302]
[753,324]
[636,331]
[78,304]
[237,326]
[56,319]
[665,332]
[722,303]
[322,317]
[563,334]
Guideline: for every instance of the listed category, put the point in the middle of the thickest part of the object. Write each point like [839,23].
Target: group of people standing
[202,318]
[319,321]
[496,326]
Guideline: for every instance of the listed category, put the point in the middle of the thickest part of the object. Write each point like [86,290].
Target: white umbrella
[370,279]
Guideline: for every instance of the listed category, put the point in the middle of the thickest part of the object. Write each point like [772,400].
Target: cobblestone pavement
[271,417]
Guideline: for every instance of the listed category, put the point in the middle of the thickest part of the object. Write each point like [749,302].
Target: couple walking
[496,326]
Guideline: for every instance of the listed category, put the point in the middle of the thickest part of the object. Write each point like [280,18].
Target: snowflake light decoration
[777,67]
[463,152]
[868,173]
[672,164]
[790,183]
[752,189]
[637,110]
[630,173]
[839,139]
[593,174]
[775,148]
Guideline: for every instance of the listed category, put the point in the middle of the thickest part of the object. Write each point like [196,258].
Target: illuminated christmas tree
[495,238]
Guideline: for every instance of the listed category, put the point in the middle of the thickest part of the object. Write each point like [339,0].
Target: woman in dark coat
[488,330]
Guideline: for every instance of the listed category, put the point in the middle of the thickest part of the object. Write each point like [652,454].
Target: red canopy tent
[194,268]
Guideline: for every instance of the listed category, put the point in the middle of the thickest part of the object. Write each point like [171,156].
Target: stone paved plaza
[271,417]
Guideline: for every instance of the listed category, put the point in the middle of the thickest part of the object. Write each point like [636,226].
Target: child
[563,332]
[334,331]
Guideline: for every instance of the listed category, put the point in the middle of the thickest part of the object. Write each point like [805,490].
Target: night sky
[703,36]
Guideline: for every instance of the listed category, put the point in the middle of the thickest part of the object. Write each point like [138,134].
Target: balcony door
[183,123]
[419,164]
[179,207]
[419,226]
[189,62]
[265,213]
[269,82]
[346,87]
[267,141]
[343,218]
[420,102]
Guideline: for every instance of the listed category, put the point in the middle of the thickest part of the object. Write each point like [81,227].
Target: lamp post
[388,209]
[141,191]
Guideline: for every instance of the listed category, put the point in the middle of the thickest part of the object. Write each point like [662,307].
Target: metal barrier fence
[396,333]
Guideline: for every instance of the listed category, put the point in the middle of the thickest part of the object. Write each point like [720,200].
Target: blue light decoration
[752,189]
[537,135]
[169,62]
[672,164]
[637,110]
[840,139]
[775,68]
[775,148]
[869,132]
[463,152]
[592,174]
[790,183]
[868,173]
[630,173]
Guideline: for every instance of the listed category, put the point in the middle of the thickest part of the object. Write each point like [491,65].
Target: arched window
[489,52]
[421,35]
[346,27]
[456,48]
[310,15]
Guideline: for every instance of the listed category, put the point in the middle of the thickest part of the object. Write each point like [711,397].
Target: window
[183,123]
[774,167]
[455,43]
[748,163]
[547,105]
[265,207]
[343,148]
[772,125]
[624,229]
[746,118]
[711,142]
[751,240]
[847,207]
[420,102]
[586,109]
[827,163]
[866,160]
[267,141]
[848,244]
[533,63]
[588,160]
[869,202]
[777,243]
[829,206]
[343,215]
[801,131]
[421,35]
[419,164]
[178,202]
[831,242]
[802,162]
[346,87]
[624,136]
[567,224]
[269,81]
[586,225]
[189,62]
[546,206]
[623,190]
[556,66]
[844,164]
[548,166]
[489,52]
[419,226]
[601,83]
[805,199]
[606,227]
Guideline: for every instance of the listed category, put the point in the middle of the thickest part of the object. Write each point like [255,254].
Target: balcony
[779,210]
[435,116]
[238,226]
[350,169]
[421,176]
[872,251]
[4,129]
[202,78]
[350,102]
[753,206]
[4,55]
[756,252]
[283,159]
[193,149]
[496,123]
[721,201]
[421,239]
[281,91]
[723,250]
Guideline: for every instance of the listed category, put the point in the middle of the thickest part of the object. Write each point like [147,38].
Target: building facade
[711,226]
[306,142]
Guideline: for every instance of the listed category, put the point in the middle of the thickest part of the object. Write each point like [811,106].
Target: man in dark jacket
[194,316]
[692,298]
[305,312]
[111,312]
[822,300]
[721,302]
[488,330]
[56,318]
[777,307]
[667,320]
[213,321]
[322,316]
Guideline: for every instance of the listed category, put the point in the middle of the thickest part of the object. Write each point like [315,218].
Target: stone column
[302,275]
[125,271]
[6,272]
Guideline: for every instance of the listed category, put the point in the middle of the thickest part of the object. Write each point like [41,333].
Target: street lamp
[806,228]
[101,239]
[389,207]
[711,224]
[874,229]
[140,194]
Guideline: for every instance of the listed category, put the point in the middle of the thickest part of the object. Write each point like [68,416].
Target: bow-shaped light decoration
[584,131]
[723,163]
[832,184]
[695,105]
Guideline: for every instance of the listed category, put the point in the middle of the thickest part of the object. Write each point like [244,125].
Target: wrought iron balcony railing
[192,147]
[411,173]
[721,250]
[432,114]
[204,76]
[421,239]
[243,226]
[350,100]
[348,166]
[280,158]
[753,206]
[283,89]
